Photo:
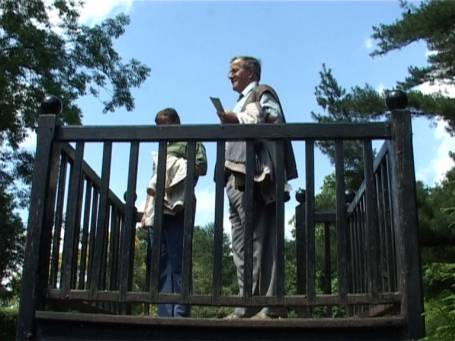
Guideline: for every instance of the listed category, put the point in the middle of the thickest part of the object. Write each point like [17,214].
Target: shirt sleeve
[251,115]
[270,109]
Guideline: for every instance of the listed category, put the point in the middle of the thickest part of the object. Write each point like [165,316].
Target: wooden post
[406,224]
[37,251]
[301,253]
[189,212]
[127,241]
[249,223]
[341,222]
[371,221]
[218,228]
[309,221]
[72,224]
[102,224]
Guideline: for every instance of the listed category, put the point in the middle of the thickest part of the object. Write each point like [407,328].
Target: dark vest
[289,159]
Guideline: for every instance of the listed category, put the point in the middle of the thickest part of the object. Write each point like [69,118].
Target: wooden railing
[376,234]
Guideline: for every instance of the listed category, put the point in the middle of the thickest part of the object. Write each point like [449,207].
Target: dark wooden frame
[386,198]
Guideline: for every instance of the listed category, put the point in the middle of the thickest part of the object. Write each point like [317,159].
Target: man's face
[239,76]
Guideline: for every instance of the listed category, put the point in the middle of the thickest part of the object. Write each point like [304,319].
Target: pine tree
[434,23]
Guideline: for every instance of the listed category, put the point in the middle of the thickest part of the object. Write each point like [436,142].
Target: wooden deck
[76,326]
[78,272]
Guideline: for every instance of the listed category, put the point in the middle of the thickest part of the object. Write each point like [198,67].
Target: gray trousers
[264,248]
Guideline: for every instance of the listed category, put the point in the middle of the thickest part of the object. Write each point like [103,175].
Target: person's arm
[270,109]
[201,160]
[228,117]
[251,115]
[146,206]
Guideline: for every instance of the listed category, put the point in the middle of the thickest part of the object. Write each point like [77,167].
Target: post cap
[396,99]
[51,105]
[300,195]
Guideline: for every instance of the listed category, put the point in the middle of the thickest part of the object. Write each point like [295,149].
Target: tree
[11,247]
[437,219]
[357,106]
[433,22]
[203,270]
[62,57]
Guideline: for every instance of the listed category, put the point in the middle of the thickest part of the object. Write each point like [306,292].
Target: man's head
[167,116]
[243,71]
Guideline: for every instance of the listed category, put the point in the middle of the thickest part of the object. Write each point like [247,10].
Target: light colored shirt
[174,189]
[268,109]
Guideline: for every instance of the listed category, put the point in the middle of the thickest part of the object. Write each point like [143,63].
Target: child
[173,215]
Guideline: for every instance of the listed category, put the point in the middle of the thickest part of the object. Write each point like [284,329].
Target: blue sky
[188,46]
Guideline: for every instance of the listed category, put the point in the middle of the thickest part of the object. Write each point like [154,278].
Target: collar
[249,88]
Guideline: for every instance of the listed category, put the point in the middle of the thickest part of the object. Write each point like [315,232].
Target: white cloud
[94,11]
[30,141]
[369,43]
[431,88]
[430,53]
[441,163]
[380,88]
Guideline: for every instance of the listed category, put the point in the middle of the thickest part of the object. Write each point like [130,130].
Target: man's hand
[228,117]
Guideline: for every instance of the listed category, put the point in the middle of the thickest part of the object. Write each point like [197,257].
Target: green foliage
[11,248]
[437,278]
[8,318]
[203,270]
[140,259]
[436,216]
[203,262]
[41,56]
[432,106]
[67,59]
[431,22]
[440,318]
[290,267]
[326,199]
[360,105]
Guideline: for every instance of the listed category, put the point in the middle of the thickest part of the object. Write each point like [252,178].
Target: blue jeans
[171,264]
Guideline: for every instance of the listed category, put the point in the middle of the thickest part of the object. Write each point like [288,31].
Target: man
[256,104]
[171,250]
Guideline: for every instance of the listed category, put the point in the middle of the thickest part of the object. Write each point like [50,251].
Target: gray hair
[250,63]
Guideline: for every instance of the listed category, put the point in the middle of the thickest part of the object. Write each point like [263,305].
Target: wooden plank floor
[77,326]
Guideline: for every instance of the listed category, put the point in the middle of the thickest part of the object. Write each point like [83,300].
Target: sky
[188,45]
